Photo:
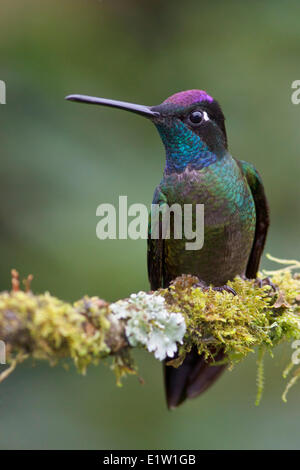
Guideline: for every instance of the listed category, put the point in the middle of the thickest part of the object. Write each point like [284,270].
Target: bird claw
[201,284]
[224,288]
[266,281]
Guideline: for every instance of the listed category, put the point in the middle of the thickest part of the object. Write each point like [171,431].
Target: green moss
[55,329]
[122,365]
[260,375]
[257,317]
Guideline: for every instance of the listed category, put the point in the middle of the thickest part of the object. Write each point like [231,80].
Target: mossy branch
[168,322]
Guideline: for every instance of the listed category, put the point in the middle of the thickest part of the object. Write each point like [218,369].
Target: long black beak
[134,108]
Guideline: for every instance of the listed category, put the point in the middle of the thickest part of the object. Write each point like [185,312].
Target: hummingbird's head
[192,127]
[190,123]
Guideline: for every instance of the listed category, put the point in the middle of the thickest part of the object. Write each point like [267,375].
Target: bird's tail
[193,377]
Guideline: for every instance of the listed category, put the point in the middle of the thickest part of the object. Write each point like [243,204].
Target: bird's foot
[201,284]
[266,281]
[224,288]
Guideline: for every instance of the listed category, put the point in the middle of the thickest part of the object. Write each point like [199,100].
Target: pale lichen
[150,324]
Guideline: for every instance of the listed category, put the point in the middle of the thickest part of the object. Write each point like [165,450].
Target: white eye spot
[205,116]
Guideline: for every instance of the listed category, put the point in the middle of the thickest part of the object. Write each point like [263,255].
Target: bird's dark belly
[229,228]
[225,254]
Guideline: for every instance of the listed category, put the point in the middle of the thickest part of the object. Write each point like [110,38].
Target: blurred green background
[60,160]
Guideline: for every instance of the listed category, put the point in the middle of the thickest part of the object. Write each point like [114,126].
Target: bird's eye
[196,117]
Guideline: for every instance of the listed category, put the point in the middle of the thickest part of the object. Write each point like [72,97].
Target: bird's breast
[229,223]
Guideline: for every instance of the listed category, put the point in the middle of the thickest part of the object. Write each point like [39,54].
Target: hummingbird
[199,169]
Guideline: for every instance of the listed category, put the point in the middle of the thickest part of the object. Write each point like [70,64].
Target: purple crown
[189,97]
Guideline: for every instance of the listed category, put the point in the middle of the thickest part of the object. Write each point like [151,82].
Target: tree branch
[168,323]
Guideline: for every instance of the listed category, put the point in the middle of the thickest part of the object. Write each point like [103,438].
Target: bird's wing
[262,217]
[155,253]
